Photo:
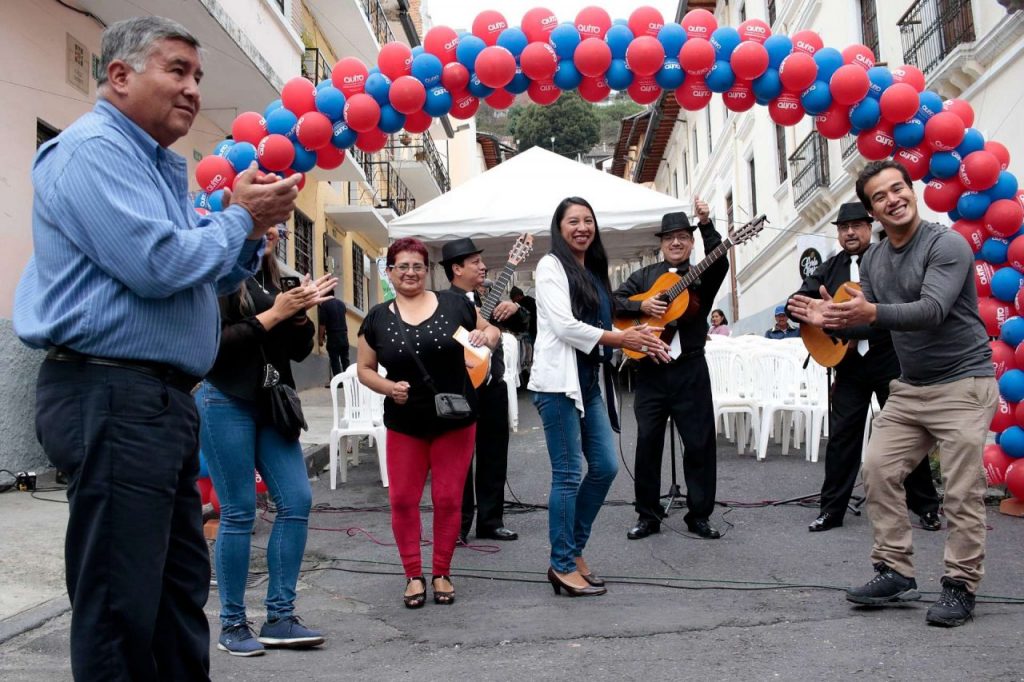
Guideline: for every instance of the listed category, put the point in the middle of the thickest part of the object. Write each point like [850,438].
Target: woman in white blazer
[574,313]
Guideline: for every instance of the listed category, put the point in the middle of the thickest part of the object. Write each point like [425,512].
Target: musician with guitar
[680,389]
[865,363]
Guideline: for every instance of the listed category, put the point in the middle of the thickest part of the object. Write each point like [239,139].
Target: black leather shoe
[931,521]
[826,521]
[500,533]
[704,529]
[643,528]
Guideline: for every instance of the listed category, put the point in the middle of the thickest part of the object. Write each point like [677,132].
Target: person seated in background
[782,330]
[719,323]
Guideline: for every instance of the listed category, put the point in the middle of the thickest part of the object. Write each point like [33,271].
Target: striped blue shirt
[123,266]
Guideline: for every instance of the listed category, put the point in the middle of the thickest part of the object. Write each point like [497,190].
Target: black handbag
[281,402]
[446,405]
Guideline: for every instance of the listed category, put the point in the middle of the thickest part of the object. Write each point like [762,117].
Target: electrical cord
[4,487]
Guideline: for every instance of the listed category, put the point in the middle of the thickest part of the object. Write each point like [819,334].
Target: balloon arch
[889,111]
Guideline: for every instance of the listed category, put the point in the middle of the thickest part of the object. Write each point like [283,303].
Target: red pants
[409,459]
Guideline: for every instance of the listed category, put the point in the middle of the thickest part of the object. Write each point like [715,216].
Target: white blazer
[559,335]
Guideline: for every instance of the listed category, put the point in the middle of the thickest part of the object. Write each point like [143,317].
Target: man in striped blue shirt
[122,289]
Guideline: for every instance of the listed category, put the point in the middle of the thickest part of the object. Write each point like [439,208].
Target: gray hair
[131,41]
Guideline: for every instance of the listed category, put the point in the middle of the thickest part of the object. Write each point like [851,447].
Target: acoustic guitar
[673,289]
[827,350]
[479,368]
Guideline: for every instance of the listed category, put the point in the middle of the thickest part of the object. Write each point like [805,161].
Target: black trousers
[680,390]
[138,569]
[491,461]
[337,354]
[851,397]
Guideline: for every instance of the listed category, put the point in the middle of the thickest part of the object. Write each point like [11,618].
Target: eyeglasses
[681,238]
[418,268]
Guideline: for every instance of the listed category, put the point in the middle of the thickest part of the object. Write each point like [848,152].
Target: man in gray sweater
[919,285]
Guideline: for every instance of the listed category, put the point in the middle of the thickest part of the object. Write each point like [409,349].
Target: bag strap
[408,344]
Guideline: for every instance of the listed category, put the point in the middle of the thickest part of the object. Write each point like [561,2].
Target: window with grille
[303,243]
[753,187]
[358,278]
[780,148]
[771,12]
[280,4]
[743,12]
[44,133]
[869,25]
[696,149]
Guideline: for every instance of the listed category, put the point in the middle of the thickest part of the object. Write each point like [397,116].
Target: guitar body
[679,307]
[827,350]
[478,369]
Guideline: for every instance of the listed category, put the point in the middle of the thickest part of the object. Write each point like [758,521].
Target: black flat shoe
[443,597]
[931,521]
[826,521]
[643,528]
[704,529]
[502,533]
[415,601]
[558,586]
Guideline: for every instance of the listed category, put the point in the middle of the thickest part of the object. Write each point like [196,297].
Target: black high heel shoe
[415,601]
[558,585]
[440,597]
[593,579]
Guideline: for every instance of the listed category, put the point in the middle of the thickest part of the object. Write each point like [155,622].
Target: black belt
[173,377]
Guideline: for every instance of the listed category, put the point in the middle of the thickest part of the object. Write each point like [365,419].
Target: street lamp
[552,143]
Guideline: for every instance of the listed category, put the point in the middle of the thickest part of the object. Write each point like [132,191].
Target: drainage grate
[251,580]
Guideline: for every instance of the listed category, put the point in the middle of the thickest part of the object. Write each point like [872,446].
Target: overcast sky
[459,14]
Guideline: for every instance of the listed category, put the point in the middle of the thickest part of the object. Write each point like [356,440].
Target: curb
[33,617]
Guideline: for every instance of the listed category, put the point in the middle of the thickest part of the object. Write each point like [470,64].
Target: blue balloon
[426,68]
[1005,188]
[880,78]
[417,51]
[223,147]
[866,115]
[514,40]
[817,98]
[343,136]
[276,104]
[567,76]
[973,141]
[993,250]
[438,102]
[519,84]
[619,76]
[909,134]
[618,38]
[930,104]
[378,86]
[828,59]
[372,70]
[477,88]
[725,40]
[1012,439]
[944,164]
[469,47]
[779,47]
[390,120]
[325,83]
[281,122]
[620,22]
[215,201]
[928,177]
[954,215]
[671,74]
[242,155]
[1012,331]
[331,103]
[202,200]
[972,205]
[1005,284]
[672,36]
[721,77]
[768,85]
[564,39]
[305,159]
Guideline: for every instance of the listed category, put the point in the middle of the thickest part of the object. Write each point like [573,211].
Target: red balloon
[861,55]
[539,61]
[1004,217]
[915,160]
[739,97]
[275,152]
[644,90]
[544,92]
[899,102]
[1018,354]
[214,173]
[697,56]
[407,95]
[299,96]
[464,106]
[645,55]
[944,131]
[594,88]
[495,66]
[942,195]
[850,84]
[749,60]
[441,42]
[371,140]
[974,232]
[834,123]
[593,22]
[249,127]
[454,77]
[786,109]
[1002,357]
[755,31]
[798,71]
[996,461]
[1004,417]
[538,23]
[993,313]
[395,60]
[592,57]
[982,274]
[1020,198]
[1015,479]
[807,42]
[699,23]
[488,25]
[500,99]
[693,94]
[314,130]
[979,170]
[349,76]
[1000,152]
[201,211]
[418,121]
[287,173]
[646,21]
[261,486]
[877,143]
[961,109]
[330,157]
[910,75]
[362,113]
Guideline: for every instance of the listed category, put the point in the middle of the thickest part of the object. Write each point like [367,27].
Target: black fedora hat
[458,248]
[674,222]
[851,211]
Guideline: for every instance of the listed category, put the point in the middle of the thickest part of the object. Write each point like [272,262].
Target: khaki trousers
[955,416]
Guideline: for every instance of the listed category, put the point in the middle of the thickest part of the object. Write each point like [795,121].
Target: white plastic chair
[731,392]
[777,391]
[361,415]
[510,345]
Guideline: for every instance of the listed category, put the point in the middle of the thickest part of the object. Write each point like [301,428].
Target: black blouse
[439,352]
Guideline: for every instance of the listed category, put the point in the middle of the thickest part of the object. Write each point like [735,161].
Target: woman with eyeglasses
[420,323]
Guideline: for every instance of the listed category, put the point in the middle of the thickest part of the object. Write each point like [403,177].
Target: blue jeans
[575,499]
[237,442]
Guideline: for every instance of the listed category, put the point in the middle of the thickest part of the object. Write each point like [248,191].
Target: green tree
[570,120]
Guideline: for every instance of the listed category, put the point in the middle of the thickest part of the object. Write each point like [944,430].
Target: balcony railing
[931,29]
[849,145]
[378,21]
[315,66]
[425,152]
[386,189]
[809,166]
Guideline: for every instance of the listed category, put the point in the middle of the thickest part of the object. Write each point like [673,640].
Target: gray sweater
[926,297]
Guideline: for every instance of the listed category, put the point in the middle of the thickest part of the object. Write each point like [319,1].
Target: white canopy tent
[521,194]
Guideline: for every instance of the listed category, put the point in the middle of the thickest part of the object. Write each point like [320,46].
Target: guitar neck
[695,271]
[497,290]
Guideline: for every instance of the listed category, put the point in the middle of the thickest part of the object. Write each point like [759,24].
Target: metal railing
[315,66]
[378,21]
[809,166]
[385,186]
[931,29]
[849,146]
[424,152]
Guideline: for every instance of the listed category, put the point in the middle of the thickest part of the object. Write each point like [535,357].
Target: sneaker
[954,607]
[887,587]
[237,640]
[290,633]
